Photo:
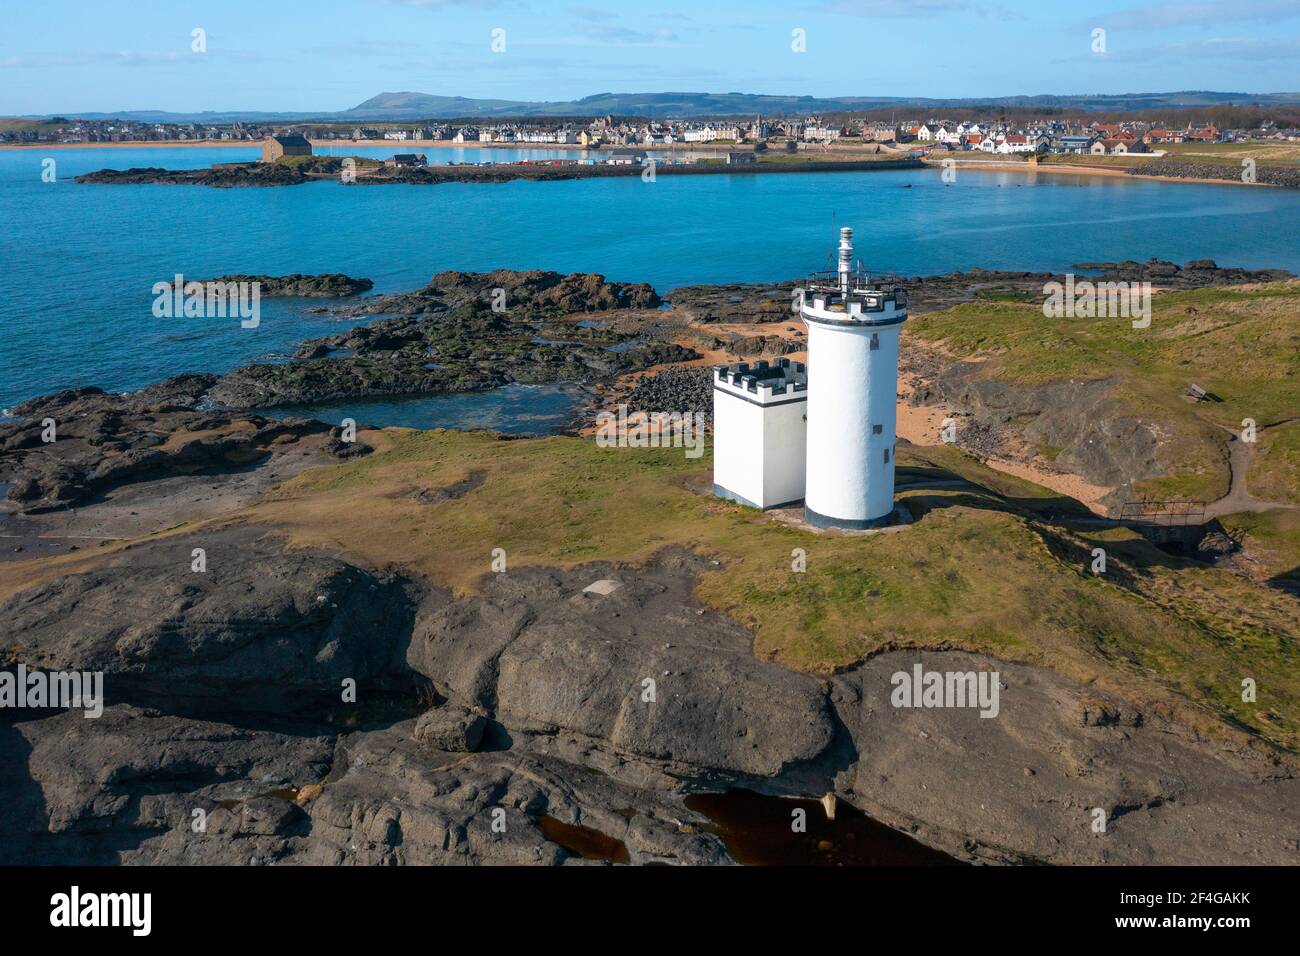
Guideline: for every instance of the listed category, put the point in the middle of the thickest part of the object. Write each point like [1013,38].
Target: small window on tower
[875,341]
[877,429]
[886,456]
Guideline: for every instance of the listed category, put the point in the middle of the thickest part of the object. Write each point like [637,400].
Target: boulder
[450,728]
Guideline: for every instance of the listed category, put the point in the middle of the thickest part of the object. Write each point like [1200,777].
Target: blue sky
[92,55]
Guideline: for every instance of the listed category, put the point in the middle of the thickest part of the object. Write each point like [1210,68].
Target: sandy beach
[1105,171]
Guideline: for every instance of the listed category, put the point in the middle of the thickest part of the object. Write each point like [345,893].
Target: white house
[1015,143]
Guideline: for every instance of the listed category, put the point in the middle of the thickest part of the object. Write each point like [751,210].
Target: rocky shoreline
[771,302]
[105,441]
[223,687]
[225,175]
[473,332]
[369,173]
[331,285]
[522,704]
[462,333]
[1287,177]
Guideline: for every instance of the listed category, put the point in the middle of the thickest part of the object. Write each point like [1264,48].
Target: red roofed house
[1163,136]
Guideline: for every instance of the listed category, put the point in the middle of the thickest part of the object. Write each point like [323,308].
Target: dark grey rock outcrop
[102,441]
[573,762]
[638,670]
[464,332]
[125,788]
[392,801]
[1033,777]
[329,285]
[1097,435]
[260,630]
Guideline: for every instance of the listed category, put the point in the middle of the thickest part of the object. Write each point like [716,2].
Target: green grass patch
[1274,474]
[1087,159]
[1231,154]
[1240,344]
[975,570]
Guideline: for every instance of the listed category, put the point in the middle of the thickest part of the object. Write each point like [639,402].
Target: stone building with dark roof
[285,144]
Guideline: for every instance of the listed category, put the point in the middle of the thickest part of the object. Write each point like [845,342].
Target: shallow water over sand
[511,409]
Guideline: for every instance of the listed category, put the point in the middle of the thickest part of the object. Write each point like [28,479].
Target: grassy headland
[1241,344]
[977,569]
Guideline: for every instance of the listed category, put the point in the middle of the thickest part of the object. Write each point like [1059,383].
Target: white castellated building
[825,437]
[759,423]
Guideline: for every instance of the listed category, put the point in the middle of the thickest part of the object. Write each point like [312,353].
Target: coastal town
[1185,144]
[991,134]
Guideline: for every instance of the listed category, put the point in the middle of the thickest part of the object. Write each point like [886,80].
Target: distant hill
[406,106]
[425,106]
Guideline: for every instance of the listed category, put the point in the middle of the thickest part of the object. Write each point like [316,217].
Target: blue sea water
[77,262]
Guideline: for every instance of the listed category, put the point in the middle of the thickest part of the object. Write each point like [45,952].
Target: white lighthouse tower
[853,329]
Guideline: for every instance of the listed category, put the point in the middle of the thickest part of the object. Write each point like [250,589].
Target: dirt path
[1239,499]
